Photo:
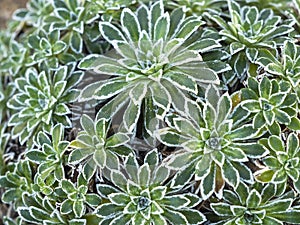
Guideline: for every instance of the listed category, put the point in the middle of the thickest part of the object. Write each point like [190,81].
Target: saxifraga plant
[151,59]
[150,112]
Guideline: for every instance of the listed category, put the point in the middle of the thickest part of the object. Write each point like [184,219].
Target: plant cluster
[145,112]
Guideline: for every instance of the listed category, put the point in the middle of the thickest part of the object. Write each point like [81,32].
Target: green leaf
[182,178]
[265,88]
[230,174]
[144,174]
[66,207]
[119,179]
[265,176]
[138,93]
[158,193]
[89,62]
[236,47]
[295,124]
[282,117]
[59,47]
[57,134]
[36,156]
[176,18]
[275,69]
[241,65]
[100,157]
[181,81]
[235,154]
[259,121]
[117,140]
[78,208]
[175,217]
[105,190]
[252,54]
[159,220]
[161,27]
[253,200]
[67,186]
[171,138]
[251,105]
[193,216]
[77,222]
[111,88]
[243,132]
[291,216]
[181,160]
[253,150]
[138,219]
[110,32]
[221,209]
[175,201]
[276,143]
[25,214]
[130,25]
[188,28]
[207,187]
[292,144]
[142,14]
[62,109]
[205,45]
[88,125]
[76,42]
[131,116]
[119,199]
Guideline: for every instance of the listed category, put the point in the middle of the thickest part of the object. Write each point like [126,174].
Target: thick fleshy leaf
[171,137]
[207,185]
[131,116]
[254,199]
[230,174]
[181,160]
[246,131]
[107,209]
[111,88]
[175,217]
[130,25]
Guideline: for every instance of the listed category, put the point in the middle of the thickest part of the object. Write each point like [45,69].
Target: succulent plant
[255,206]
[140,195]
[17,181]
[71,17]
[270,102]
[77,198]
[282,165]
[151,59]
[17,61]
[49,156]
[287,67]
[34,13]
[42,100]
[197,8]
[213,144]
[40,210]
[150,112]
[95,148]
[248,32]
[49,49]
[110,9]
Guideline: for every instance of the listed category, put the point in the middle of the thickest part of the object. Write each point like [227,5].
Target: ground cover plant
[150,112]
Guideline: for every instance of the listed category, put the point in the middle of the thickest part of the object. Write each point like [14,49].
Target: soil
[7,7]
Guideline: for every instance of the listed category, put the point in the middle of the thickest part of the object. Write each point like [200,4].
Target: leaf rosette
[140,195]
